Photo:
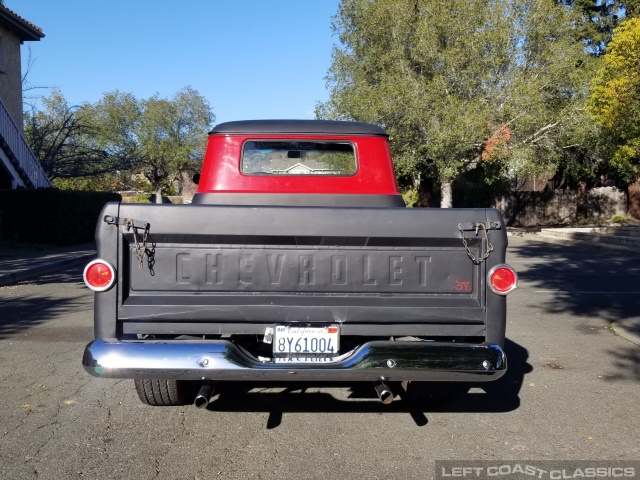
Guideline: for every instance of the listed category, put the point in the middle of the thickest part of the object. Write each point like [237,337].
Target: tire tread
[160,392]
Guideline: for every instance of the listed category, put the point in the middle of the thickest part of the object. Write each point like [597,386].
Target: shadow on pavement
[499,396]
[586,280]
[591,282]
[20,311]
[70,275]
[626,361]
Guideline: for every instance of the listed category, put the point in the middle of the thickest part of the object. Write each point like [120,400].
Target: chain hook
[141,246]
[477,261]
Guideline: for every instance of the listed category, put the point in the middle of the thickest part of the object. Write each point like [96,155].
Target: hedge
[50,216]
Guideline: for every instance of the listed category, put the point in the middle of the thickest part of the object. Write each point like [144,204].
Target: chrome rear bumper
[222,360]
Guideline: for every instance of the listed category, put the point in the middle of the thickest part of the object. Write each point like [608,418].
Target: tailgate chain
[141,248]
[130,224]
[474,259]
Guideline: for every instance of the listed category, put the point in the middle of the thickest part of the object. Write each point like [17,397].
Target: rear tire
[161,393]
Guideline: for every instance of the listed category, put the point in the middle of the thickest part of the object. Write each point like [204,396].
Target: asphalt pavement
[569,394]
[21,264]
[18,264]
[612,238]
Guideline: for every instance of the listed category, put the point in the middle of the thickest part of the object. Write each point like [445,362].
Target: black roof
[330,127]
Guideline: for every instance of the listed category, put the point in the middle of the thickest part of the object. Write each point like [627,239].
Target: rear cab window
[291,157]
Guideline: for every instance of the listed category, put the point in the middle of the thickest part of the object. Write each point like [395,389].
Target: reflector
[502,279]
[99,275]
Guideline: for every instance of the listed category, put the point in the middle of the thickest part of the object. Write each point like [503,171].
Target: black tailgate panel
[216,264]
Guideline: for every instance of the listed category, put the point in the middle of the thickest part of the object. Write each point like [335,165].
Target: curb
[598,238]
[43,269]
[625,333]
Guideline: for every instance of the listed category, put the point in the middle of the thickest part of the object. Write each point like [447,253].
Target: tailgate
[215,269]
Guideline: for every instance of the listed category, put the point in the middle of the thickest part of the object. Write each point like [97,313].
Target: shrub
[410,198]
[620,219]
[139,198]
[50,216]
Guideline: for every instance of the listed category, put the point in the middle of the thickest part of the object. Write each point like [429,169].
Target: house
[300,169]
[19,167]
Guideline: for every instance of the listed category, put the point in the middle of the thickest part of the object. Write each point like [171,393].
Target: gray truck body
[197,291]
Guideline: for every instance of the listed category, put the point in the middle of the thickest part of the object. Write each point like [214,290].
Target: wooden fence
[527,209]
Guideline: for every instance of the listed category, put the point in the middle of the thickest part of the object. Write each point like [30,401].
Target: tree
[62,138]
[106,144]
[615,100]
[29,98]
[161,137]
[598,18]
[171,136]
[459,84]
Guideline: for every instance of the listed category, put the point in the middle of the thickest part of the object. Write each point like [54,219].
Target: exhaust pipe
[204,395]
[384,392]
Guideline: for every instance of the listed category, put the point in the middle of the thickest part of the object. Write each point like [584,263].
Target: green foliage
[445,77]
[103,146]
[598,18]
[62,137]
[107,182]
[620,219]
[50,216]
[116,113]
[410,198]
[614,102]
[141,198]
[172,136]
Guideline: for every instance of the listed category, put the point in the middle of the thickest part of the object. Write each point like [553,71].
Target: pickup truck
[297,262]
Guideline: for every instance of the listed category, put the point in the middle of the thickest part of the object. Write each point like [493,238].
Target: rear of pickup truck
[297,261]
[286,293]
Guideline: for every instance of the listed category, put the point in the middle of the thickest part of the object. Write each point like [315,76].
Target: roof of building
[24,29]
[326,127]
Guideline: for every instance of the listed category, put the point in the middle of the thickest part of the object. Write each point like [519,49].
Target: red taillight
[502,279]
[99,275]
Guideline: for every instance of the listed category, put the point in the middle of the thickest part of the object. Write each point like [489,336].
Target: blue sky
[251,59]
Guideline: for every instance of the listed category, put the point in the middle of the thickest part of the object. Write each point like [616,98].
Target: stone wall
[528,209]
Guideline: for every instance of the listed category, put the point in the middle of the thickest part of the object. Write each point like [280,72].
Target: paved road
[571,393]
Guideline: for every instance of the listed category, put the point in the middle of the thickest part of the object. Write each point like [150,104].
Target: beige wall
[11,76]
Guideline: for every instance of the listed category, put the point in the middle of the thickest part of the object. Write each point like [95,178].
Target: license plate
[306,342]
